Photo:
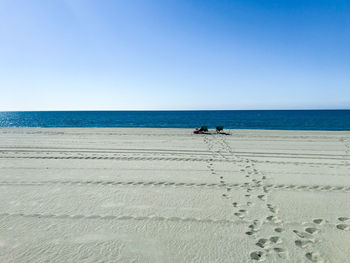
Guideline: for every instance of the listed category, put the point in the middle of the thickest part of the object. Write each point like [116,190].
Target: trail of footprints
[256,195]
[210,165]
[307,238]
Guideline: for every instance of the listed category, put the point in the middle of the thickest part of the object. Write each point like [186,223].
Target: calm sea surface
[253,119]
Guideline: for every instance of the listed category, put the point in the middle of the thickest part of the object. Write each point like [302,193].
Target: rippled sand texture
[165,195]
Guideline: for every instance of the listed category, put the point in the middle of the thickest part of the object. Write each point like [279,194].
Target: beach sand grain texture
[166,195]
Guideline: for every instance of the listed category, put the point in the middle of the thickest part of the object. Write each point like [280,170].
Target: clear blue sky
[112,55]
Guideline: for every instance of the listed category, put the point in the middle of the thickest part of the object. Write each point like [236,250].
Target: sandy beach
[166,195]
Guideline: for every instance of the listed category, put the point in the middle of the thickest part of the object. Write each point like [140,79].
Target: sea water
[234,119]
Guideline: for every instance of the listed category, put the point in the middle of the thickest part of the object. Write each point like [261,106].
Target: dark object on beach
[219,129]
[202,129]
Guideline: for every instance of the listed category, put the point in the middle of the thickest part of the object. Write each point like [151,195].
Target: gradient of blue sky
[244,54]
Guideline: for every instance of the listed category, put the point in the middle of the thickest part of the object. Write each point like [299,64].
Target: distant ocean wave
[238,119]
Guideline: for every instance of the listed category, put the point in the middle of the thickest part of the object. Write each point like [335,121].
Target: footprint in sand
[263,243]
[240,215]
[281,252]
[303,243]
[257,222]
[272,208]
[343,219]
[262,197]
[279,229]
[314,257]
[250,233]
[266,190]
[303,234]
[254,227]
[275,240]
[312,230]
[235,204]
[318,221]
[273,219]
[343,227]
[258,255]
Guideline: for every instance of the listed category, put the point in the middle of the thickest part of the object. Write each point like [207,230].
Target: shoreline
[171,128]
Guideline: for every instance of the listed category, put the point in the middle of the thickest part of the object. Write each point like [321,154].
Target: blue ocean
[235,119]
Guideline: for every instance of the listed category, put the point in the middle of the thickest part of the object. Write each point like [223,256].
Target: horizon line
[145,110]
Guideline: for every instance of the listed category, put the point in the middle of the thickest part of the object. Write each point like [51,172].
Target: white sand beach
[166,195]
